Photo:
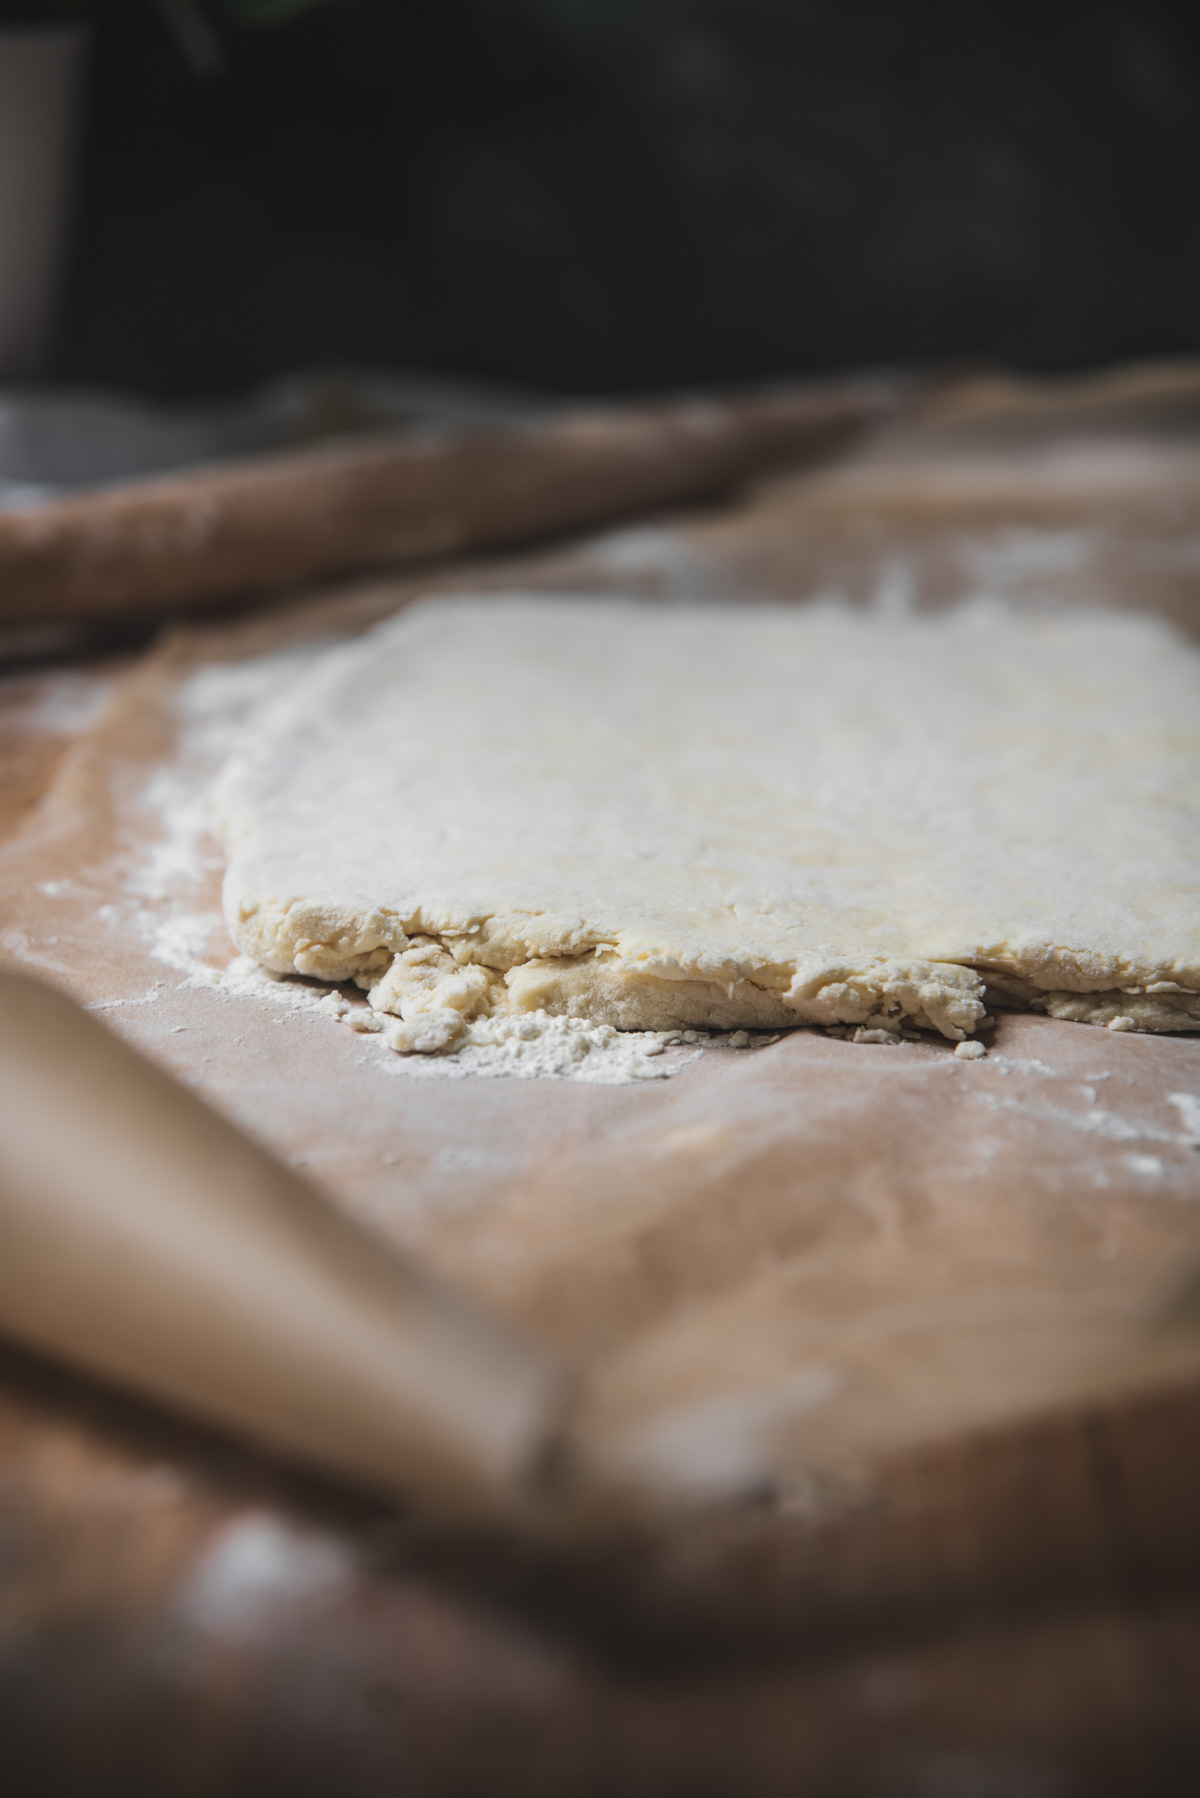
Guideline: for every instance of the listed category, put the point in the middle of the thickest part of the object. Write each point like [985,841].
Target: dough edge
[519,963]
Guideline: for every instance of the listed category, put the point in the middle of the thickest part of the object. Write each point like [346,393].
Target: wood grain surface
[995,1595]
[176,1616]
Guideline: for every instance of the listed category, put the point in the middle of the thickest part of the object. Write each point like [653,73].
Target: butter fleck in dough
[657,816]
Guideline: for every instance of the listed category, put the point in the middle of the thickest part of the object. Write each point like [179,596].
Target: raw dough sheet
[649,815]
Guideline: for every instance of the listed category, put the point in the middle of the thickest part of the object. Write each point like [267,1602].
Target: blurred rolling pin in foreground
[215,533]
[145,1239]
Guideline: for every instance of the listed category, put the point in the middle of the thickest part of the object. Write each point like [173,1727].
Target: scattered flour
[1016,1064]
[1012,560]
[183,859]
[211,706]
[536,1046]
[539,1046]
[1094,1122]
[1150,1167]
[663,557]
[1188,1107]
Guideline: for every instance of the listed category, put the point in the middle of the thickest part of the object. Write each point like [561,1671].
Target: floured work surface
[744,1229]
[784,1255]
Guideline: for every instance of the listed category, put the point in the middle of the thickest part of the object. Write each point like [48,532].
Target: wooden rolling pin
[211,534]
[145,1239]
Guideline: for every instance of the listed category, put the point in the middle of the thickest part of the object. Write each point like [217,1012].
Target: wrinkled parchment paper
[778,1255]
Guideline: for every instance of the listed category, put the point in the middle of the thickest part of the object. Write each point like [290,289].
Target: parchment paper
[779,1255]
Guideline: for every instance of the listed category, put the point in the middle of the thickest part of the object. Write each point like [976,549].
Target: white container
[41,72]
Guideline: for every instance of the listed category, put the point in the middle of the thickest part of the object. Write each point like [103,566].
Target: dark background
[632,194]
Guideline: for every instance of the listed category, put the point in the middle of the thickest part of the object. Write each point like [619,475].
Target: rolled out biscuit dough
[653,816]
